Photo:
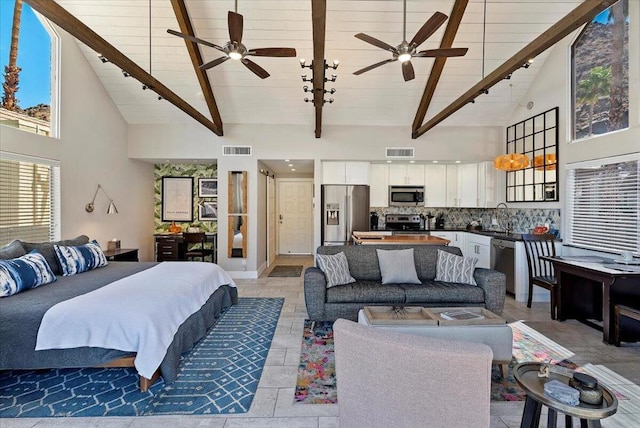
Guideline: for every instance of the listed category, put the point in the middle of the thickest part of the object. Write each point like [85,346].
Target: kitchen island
[367,238]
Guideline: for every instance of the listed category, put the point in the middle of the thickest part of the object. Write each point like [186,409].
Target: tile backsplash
[523,220]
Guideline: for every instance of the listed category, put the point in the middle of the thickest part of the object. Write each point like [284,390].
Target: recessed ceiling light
[293,169]
[435,161]
[457,161]
[290,165]
[287,160]
[388,161]
[412,161]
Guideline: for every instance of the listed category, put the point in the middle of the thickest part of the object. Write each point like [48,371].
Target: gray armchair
[389,379]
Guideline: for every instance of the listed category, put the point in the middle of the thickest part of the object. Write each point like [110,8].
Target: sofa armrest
[494,284]
[315,293]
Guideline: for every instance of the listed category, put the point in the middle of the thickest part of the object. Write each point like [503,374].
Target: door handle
[281,217]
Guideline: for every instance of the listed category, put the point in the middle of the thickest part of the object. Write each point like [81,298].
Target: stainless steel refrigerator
[345,208]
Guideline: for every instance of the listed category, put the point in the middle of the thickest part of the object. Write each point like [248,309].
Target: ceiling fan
[234,48]
[407,50]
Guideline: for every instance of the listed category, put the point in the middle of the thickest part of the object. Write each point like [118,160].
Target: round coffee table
[526,375]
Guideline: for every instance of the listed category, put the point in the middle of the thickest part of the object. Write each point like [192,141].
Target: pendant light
[511,162]
[546,162]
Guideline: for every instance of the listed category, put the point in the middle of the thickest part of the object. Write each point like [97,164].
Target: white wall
[92,150]
[269,142]
[552,87]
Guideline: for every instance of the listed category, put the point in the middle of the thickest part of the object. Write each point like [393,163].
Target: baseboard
[262,268]
[243,274]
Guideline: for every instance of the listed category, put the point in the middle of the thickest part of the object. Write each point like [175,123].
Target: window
[600,74]
[604,204]
[29,199]
[28,66]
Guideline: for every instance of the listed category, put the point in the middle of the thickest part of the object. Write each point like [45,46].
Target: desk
[171,246]
[588,289]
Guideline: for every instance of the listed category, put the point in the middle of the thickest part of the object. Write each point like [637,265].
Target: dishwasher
[503,260]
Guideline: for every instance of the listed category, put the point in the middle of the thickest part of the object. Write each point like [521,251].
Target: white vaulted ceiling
[378,97]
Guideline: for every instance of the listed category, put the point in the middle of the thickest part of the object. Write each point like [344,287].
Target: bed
[21,316]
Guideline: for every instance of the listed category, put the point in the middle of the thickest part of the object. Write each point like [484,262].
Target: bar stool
[541,272]
[623,311]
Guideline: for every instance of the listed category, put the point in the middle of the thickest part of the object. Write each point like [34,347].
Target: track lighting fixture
[304,78]
[306,89]
[145,87]
[307,100]
[472,101]
[334,65]
[160,98]
[103,58]
[330,101]
[331,91]
[528,63]
[508,76]
[484,91]
[125,74]
[332,79]
[317,92]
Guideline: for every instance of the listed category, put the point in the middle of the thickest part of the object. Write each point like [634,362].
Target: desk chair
[541,272]
[194,251]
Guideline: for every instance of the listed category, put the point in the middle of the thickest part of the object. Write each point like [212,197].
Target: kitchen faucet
[502,215]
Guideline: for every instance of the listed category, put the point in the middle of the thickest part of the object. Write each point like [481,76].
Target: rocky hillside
[41,111]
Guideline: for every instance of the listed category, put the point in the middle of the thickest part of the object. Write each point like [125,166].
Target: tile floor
[273,404]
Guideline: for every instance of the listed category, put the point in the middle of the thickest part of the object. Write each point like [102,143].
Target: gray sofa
[344,301]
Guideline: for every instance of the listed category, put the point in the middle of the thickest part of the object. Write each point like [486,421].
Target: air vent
[400,152]
[236,150]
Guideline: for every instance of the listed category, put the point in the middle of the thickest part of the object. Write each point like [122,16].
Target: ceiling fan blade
[255,68]
[194,39]
[371,67]
[213,63]
[375,42]
[442,52]
[407,71]
[429,27]
[279,52]
[235,26]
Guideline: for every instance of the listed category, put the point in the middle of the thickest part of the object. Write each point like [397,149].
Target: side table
[526,375]
[122,255]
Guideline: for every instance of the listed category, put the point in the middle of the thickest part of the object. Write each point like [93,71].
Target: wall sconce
[90,206]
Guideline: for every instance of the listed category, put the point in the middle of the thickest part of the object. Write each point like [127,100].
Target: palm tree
[596,85]
[617,14]
[11,70]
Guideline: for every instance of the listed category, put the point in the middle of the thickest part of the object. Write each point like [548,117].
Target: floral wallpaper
[183,170]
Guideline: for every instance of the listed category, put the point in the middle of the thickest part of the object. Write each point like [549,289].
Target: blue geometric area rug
[219,375]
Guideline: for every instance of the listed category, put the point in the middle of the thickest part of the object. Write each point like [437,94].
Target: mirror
[237,231]
[536,138]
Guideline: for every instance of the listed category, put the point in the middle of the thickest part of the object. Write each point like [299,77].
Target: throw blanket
[140,313]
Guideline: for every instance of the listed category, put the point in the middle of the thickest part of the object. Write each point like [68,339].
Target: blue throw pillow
[80,258]
[23,273]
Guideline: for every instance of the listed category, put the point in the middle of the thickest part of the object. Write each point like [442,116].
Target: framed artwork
[177,199]
[208,211]
[207,187]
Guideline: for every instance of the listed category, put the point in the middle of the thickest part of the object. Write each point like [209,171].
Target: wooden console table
[171,246]
[589,288]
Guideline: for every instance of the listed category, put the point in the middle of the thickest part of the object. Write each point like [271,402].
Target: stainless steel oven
[406,196]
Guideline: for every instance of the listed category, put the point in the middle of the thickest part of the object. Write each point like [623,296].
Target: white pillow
[452,268]
[335,268]
[397,267]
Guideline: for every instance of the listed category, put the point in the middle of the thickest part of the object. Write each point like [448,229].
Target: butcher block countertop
[364,238]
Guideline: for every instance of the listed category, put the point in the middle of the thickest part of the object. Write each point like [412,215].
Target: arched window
[28,62]
[600,74]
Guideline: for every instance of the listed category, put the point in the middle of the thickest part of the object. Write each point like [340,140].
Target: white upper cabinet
[452,185]
[406,174]
[345,172]
[468,185]
[490,185]
[435,181]
[379,182]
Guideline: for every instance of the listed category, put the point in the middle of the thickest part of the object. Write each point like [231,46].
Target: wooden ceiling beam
[69,23]
[182,15]
[457,12]
[579,16]
[319,20]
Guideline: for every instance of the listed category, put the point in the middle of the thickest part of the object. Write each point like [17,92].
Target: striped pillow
[335,268]
[80,258]
[23,273]
[453,268]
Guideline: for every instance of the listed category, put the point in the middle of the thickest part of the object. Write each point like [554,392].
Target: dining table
[590,286]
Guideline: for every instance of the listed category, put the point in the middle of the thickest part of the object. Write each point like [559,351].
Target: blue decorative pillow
[80,258]
[23,273]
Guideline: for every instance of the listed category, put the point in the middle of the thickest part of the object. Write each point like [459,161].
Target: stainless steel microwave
[406,196]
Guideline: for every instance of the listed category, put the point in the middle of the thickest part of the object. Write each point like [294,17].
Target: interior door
[271,221]
[295,216]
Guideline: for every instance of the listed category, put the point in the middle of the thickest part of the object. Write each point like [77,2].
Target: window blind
[604,205]
[27,200]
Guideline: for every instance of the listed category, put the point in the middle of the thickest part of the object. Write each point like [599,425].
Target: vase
[174,228]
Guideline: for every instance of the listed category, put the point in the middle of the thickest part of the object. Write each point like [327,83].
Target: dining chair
[541,272]
[194,251]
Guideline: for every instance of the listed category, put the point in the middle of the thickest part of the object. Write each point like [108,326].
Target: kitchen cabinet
[457,239]
[490,185]
[379,185]
[435,182]
[406,174]
[462,185]
[345,172]
[479,246]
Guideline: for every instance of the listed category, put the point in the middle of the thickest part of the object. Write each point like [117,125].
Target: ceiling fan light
[235,55]
[404,57]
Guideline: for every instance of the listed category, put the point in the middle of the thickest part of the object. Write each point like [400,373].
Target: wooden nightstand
[122,255]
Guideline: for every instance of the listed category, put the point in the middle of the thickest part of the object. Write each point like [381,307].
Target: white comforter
[140,313]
